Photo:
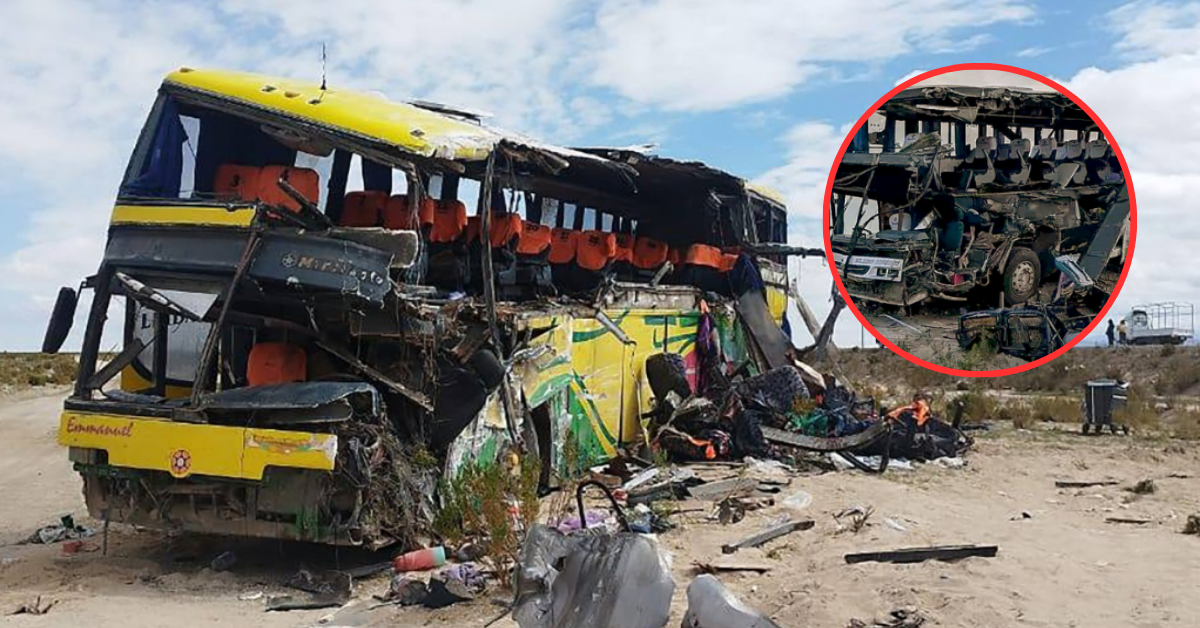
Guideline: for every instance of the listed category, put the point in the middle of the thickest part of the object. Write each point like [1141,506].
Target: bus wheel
[1022,276]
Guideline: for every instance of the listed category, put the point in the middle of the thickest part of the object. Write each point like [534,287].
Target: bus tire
[1022,276]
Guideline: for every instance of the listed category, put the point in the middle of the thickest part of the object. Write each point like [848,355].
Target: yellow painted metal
[202,215]
[184,449]
[409,128]
[776,302]
[133,381]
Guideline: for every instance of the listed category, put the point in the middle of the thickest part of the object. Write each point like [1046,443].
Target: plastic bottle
[420,560]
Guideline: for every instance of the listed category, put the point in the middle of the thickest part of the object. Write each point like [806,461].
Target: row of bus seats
[1072,164]
[529,259]
[261,184]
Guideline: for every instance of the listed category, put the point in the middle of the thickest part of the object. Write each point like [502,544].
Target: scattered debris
[768,534]
[64,530]
[895,525]
[251,596]
[445,591]
[420,560]
[922,554]
[720,566]
[223,561]
[1021,517]
[1084,483]
[1128,520]
[711,605]
[591,581]
[796,501]
[723,489]
[899,618]
[328,582]
[1144,487]
[859,515]
[38,606]
[405,591]
[1193,525]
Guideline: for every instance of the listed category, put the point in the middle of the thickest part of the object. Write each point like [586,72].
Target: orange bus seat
[562,246]
[703,255]
[649,254]
[594,249]
[449,220]
[276,363]
[397,214]
[363,209]
[474,225]
[504,229]
[728,261]
[535,239]
[237,183]
[306,181]
[624,248]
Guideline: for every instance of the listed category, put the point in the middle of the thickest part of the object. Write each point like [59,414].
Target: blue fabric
[161,173]
[745,276]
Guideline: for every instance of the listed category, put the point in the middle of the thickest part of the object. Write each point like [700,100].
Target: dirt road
[1060,563]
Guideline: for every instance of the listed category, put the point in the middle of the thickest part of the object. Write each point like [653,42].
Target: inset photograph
[980,220]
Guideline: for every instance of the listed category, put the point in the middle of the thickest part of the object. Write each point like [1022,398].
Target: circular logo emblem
[289,260]
[181,463]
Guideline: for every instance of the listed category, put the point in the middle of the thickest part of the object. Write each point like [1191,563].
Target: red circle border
[837,280]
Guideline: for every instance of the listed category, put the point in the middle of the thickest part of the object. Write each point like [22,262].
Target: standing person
[1110,333]
[1122,333]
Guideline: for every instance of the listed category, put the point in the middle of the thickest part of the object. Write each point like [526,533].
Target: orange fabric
[563,245]
[363,209]
[703,255]
[535,239]
[474,223]
[919,408]
[449,220]
[728,261]
[649,254]
[234,182]
[398,215]
[305,180]
[594,249]
[504,228]
[624,248]
[276,363]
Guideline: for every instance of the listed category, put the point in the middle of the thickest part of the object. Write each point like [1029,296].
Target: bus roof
[1009,106]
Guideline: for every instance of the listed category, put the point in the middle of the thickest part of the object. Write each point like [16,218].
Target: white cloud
[711,54]
[1035,51]
[1156,29]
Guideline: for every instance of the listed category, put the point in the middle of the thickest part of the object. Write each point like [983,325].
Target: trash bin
[1100,399]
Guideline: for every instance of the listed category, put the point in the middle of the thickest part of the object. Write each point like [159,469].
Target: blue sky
[762,89]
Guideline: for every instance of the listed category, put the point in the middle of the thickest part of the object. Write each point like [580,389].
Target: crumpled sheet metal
[592,581]
[711,605]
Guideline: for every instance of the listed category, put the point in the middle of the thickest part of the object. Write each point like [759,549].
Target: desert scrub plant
[493,502]
[978,406]
[20,370]
[1055,409]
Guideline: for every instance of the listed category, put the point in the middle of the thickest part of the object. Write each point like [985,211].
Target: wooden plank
[769,534]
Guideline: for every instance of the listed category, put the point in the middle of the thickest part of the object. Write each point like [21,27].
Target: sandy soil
[1063,565]
[929,335]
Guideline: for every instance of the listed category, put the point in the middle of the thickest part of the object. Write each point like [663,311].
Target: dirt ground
[1060,563]
[928,333]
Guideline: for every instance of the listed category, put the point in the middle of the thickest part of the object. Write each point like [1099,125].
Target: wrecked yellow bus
[315,328]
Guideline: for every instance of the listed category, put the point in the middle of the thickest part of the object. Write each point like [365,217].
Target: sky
[766,90]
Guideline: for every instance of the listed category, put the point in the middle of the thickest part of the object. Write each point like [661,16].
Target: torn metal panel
[299,402]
